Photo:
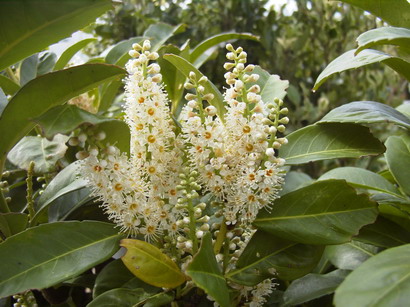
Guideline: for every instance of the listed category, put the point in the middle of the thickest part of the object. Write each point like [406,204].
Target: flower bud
[136,47]
[229,65]
[284,120]
[146,45]
[208,97]
[281,128]
[270,152]
[230,56]
[133,53]
[249,68]
[229,47]
[210,110]
[190,96]
[192,76]
[203,79]
[192,104]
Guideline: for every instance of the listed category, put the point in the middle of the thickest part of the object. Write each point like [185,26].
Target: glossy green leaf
[12,223]
[271,85]
[185,67]
[384,36]
[313,286]
[47,60]
[383,233]
[206,273]
[351,255]
[330,141]
[116,275]
[366,112]
[43,152]
[404,108]
[48,91]
[325,212]
[3,101]
[160,32]
[396,13]
[295,180]
[383,280]
[108,92]
[369,56]
[130,297]
[67,55]
[8,86]
[266,255]
[362,178]
[117,134]
[65,118]
[34,25]
[398,159]
[57,251]
[119,53]
[28,69]
[215,40]
[149,264]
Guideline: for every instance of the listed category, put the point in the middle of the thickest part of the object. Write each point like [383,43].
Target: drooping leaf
[34,25]
[295,180]
[43,152]
[313,286]
[57,251]
[8,86]
[330,141]
[65,118]
[386,282]
[271,85]
[185,67]
[362,178]
[123,297]
[369,56]
[206,274]
[160,32]
[350,255]
[28,69]
[366,112]
[12,223]
[383,233]
[116,275]
[325,212]
[384,36]
[282,258]
[47,60]
[67,55]
[396,12]
[215,40]
[150,265]
[398,159]
[48,91]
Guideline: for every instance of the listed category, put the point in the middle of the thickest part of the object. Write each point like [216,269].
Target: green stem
[221,237]
[30,199]
[192,227]
[12,76]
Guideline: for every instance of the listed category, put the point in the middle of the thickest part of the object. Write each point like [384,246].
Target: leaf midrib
[331,151]
[35,30]
[58,257]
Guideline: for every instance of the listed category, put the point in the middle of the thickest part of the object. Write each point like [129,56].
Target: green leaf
[149,264]
[28,69]
[384,36]
[57,251]
[3,101]
[48,91]
[313,286]
[350,255]
[43,152]
[67,55]
[185,67]
[330,141]
[47,60]
[383,233]
[117,134]
[271,85]
[366,112]
[34,25]
[215,40]
[362,178]
[116,275]
[160,32]
[383,280]
[398,159]
[130,297]
[108,92]
[404,108]
[369,56]
[9,86]
[326,212]
[119,53]
[206,273]
[395,12]
[295,180]
[12,223]
[66,118]
[259,261]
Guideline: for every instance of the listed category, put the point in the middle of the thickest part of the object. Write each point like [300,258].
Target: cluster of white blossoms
[235,155]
